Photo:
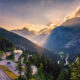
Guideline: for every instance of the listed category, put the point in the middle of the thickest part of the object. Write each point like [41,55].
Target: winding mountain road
[12,67]
[3,76]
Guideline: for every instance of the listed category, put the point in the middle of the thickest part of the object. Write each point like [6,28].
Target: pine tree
[19,67]
[28,70]
[63,75]
[75,70]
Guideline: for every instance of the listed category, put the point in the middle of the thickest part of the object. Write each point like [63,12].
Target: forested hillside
[5,44]
[71,71]
[26,44]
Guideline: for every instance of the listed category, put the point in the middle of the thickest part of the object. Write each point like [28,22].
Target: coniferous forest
[47,69]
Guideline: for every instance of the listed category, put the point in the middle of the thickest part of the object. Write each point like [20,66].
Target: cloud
[22,12]
[76,13]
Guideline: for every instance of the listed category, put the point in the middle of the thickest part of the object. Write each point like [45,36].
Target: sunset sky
[17,13]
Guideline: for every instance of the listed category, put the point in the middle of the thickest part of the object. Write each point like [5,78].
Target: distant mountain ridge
[23,31]
[26,44]
[66,37]
[38,38]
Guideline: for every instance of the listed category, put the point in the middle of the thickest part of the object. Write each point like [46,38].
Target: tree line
[48,68]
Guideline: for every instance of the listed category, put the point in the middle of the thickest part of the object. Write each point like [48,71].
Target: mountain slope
[5,45]
[66,37]
[38,38]
[26,44]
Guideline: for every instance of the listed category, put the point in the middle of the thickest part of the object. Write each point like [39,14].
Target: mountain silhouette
[65,38]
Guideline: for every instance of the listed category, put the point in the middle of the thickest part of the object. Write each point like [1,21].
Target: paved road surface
[66,60]
[12,67]
[34,69]
[3,76]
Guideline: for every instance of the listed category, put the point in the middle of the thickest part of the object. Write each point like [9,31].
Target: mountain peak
[65,38]
[73,22]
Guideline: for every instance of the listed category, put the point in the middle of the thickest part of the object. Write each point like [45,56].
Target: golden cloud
[76,13]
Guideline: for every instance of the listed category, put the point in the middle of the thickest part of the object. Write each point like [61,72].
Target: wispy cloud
[22,12]
[76,13]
